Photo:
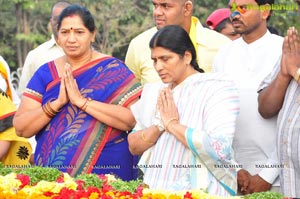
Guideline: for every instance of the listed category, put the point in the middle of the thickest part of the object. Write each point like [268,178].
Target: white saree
[208,105]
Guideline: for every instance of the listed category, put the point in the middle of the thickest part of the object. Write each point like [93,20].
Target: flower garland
[50,183]
[18,186]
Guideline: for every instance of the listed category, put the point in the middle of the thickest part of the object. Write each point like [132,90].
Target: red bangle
[86,104]
[86,99]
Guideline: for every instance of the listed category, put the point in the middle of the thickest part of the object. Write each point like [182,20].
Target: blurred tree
[24,23]
[24,28]
[118,21]
[282,19]
[7,32]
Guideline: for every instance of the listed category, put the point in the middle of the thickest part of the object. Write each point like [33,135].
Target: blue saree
[75,142]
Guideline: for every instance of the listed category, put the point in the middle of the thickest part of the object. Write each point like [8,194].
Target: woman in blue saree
[77,105]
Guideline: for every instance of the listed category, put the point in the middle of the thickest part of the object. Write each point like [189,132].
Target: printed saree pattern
[73,140]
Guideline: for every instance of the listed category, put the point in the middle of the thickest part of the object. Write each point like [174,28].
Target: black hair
[82,12]
[273,30]
[177,40]
[222,24]
[263,2]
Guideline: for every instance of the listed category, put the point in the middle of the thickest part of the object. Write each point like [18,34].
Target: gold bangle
[169,122]
[144,139]
[86,104]
[48,107]
[46,111]
[51,109]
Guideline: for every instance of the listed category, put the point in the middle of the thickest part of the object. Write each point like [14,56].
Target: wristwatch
[297,75]
[160,127]
[158,123]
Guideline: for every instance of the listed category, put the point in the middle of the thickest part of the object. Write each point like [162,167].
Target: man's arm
[270,99]
[266,177]
[260,182]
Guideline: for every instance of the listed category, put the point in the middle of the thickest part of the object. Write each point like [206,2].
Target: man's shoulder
[43,47]
[146,35]
[276,38]
[210,37]
[232,44]
[271,39]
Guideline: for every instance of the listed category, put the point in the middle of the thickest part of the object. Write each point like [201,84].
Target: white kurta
[254,143]
[44,53]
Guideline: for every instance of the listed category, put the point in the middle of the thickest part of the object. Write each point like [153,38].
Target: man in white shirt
[45,52]
[249,60]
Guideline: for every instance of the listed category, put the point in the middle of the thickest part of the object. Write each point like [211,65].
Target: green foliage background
[24,23]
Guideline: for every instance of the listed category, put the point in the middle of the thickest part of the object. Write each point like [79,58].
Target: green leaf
[130,186]
[90,180]
[264,195]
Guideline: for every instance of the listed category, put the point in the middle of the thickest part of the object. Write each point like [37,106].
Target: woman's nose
[71,37]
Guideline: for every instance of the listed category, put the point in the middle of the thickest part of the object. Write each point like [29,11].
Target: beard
[241,28]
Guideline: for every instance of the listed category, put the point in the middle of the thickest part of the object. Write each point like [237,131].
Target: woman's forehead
[73,21]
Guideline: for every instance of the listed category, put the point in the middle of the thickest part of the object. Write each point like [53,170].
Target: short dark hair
[222,24]
[177,40]
[82,12]
[263,2]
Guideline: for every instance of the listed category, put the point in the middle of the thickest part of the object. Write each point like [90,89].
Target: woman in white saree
[185,124]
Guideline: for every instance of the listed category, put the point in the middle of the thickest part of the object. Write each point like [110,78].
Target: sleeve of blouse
[37,85]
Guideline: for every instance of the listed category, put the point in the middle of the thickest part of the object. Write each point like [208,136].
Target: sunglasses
[237,10]
[240,8]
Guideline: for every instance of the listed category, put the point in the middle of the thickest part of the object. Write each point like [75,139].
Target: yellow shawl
[20,149]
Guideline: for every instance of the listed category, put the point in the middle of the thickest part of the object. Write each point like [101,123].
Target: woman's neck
[189,72]
[80,61]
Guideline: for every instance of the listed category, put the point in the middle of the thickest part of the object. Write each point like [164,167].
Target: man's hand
[257,184]
[243,179]
[290,53]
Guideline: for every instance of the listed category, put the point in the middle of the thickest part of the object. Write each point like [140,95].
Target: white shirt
[254,143]
[44,53]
